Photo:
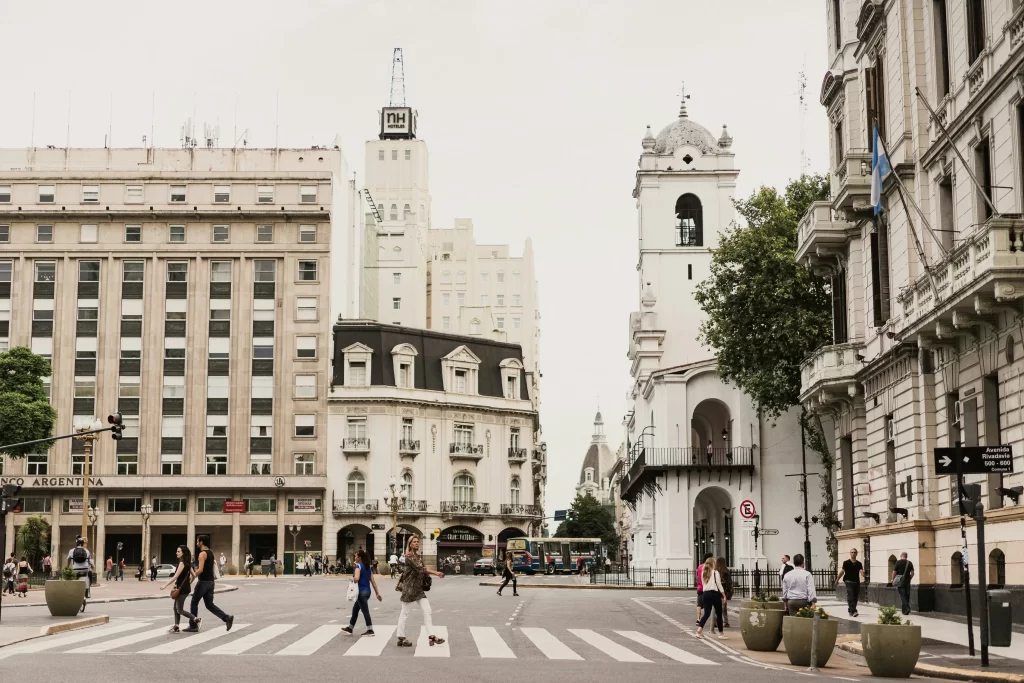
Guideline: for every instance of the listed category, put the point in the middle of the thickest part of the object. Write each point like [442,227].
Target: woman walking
[508,575]
[23,571]
[414,575]
[363,576]
[182,581]
[723,571]
[713,593]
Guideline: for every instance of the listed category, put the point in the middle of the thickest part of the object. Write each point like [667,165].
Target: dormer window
[460,381]
[511,371]
[357,365]
[460,371]
[404,359]
[357,374]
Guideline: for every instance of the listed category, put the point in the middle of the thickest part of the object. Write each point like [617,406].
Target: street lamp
[650,538]
[88,440]
[146,509]
[394,499]
[93,517]
[295,529]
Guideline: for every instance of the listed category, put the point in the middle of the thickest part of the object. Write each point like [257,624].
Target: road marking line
[121,642]
[489,644]
[607,645]
[371,647]
[312,641]
[424,648]
[670,651]
[250,641]
[552,647]
[185,642]
[52,642]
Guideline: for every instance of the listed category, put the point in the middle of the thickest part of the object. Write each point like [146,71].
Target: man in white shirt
[80,560]
[798,587]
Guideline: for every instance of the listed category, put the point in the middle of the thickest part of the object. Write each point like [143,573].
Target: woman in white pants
[411,587]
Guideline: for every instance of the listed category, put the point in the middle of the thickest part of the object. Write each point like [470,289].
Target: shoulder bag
[897,581]
[427,582]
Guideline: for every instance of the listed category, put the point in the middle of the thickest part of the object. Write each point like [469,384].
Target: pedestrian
[723,571]
[902,575]
[152,569]
[182,581]
[9,569]
[47,565]
[205,582]
[798,587]
[508,575]
[710,451]
[223,565]
[120,569]
[23,571]
[80,560]
[700,588]
[110,568]
[273,564]
[248,564]
[393,563]
[414,575]
[142,570]
[713,593]
[363,577]
[851,573]
[786,568]
[309,567]
[607,565]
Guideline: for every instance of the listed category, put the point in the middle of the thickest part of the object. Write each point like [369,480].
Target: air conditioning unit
[957,412]
[890,430]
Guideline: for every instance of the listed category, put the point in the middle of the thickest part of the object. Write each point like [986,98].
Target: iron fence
[744,581]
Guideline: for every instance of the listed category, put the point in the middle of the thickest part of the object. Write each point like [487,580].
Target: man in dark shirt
[902,573]
[851,573]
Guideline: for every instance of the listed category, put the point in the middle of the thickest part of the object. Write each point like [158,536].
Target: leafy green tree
[34,540]
[591,520]
[25,410]
[766,313]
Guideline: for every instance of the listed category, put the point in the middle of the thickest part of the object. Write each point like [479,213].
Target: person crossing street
[411,585]
[205,582]
[509,575]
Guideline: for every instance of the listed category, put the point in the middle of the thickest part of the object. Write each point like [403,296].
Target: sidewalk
[115,591]
[26,628]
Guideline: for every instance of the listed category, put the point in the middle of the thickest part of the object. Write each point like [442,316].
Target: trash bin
[1000,618]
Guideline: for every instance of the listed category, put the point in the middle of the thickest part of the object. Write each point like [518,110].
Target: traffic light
[9,498]
[116,426]
[570,515]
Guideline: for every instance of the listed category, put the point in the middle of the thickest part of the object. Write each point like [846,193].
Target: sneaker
[230,621]
[515,595]
[722,636]
[347,629]
[499,592]
[369,632]
[174,629]
[855,613]
[190,629]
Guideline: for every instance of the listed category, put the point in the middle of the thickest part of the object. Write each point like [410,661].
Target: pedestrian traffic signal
[116,426]
[9,498]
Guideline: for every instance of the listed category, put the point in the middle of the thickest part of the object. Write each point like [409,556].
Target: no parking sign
[747,509]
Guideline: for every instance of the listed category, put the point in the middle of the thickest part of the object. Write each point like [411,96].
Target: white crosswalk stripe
[237,647]
[489,644]
[312,641]
[664,648]
[372,647]
[123,641]
[607,645]
[185,641]
[552,647]
[425,649]
[54,642]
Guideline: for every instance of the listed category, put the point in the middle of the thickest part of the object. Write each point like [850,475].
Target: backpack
[79,555]
[8,570]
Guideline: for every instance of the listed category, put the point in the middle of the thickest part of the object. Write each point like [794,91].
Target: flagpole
[949,138]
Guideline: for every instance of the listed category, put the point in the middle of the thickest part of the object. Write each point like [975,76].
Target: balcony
[829,374]
[355,444]
[820,235]
[366,507]
[409,446]
[412,507]
[650,462]
[515,510]
[465,451]
[851,181]
[517,455]
[451,507]
[983,273]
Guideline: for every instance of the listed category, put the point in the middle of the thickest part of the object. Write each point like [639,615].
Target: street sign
[975,460]
[560,515]
[766,532]
[747,509]
[747,523]
[437,532]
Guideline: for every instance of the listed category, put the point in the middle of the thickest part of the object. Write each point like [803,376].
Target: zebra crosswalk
[141,637]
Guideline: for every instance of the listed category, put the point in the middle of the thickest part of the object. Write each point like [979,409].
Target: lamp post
[88,440]
[93,517]
[294,529]
[146,509]
[394,499]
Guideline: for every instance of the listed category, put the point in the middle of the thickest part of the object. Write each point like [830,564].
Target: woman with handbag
[413,584]
[182,581]
[362,579]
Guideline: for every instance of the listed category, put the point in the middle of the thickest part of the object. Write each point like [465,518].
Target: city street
[603,634]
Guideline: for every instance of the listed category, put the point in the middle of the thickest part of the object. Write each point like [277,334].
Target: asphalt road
[289,627]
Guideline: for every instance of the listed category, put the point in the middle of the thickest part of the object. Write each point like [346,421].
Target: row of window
[394,155]
[463,488]
[264,270]
[37,504]
[174,386]
[464,433]
[170,464]
[460,277]
[474,324]
[177,194]
[89,234]
[485,300]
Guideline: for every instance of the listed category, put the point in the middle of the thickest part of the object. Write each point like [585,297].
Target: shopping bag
[353,591]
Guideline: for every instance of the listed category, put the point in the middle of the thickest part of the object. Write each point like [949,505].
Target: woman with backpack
[182,581]
[9,568]
[413,584]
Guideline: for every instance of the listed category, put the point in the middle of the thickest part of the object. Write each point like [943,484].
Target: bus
[551,555]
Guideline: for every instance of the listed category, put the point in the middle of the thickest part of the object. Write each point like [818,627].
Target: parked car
[165,571]
[485,565]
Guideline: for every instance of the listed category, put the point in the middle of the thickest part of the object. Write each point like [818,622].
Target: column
[190,528]
[99,552]
[236,540]
[55,556]
[281,503]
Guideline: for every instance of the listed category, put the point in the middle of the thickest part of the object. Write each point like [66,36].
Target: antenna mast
[802,92]
[397,80]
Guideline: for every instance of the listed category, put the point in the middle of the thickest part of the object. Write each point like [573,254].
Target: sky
[533,113]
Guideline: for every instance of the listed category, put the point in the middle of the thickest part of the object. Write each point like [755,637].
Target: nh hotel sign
[397,123]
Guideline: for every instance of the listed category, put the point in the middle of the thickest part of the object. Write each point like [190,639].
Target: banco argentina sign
[54,482]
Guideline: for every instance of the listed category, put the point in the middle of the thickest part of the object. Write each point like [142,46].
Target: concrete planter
[761,628]
[891,651]
[773,604]
[796,634]
[64,598]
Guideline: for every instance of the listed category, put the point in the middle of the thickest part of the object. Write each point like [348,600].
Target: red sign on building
[234,506]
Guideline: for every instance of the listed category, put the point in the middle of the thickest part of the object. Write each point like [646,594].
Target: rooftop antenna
[397,80]
[188,138]
[211,134]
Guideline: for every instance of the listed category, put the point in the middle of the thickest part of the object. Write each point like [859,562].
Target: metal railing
[465,448]
[409,446]
[743,579]
[734,456]
[455,507]
[412,506]
[517,454]
[342,507]
[515,510]
[355,443]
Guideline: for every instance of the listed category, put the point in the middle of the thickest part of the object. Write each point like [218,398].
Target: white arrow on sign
[945,461]
[967,458]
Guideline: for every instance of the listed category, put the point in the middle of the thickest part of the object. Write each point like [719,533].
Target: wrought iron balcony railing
[516,510]
[409,446]
[355,444]
[364,507]
[517,454]
[458,508]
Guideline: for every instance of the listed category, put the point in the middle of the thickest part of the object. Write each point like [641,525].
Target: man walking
[273,564]
[851,573]
[223,565]
[205,582]
[110,568]
[902,574]
[152,569]
[798,587]
[80,560]
[248,564]
[509,575]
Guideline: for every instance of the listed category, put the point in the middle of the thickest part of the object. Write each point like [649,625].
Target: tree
[766,313]
[34,539]
[592,520]
[25,410]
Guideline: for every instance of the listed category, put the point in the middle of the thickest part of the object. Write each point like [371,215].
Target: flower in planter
[808,612]
[890,616]
[68,574]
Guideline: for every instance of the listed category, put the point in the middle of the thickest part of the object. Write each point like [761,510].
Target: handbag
[427,582]
[353,591]
[175,593]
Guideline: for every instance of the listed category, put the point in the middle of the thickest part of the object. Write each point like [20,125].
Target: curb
[134,598]
[72,625]
[588,586]
[948,673]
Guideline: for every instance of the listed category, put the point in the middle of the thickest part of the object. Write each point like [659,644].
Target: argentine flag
[879,169]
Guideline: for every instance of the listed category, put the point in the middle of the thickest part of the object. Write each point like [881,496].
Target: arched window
[474,326]
[460,277]
[394,212]
[446,278]
[407,485]
[892,567]
[397,250]
[464,489]
[956,567]
[689,221]
[356,488]
[514,491]
[996,568]
[590,475]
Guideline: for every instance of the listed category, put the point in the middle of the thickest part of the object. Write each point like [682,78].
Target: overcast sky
[533,112]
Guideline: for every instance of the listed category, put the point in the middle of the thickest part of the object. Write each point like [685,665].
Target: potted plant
[892,646]
[761,625]
[764,602]
[65,594]
[797,636]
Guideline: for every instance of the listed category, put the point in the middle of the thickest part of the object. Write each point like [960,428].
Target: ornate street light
[394,499]
[146,511]
[295,529]
[88,438]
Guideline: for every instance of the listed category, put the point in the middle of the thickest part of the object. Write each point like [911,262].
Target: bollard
[814,641]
